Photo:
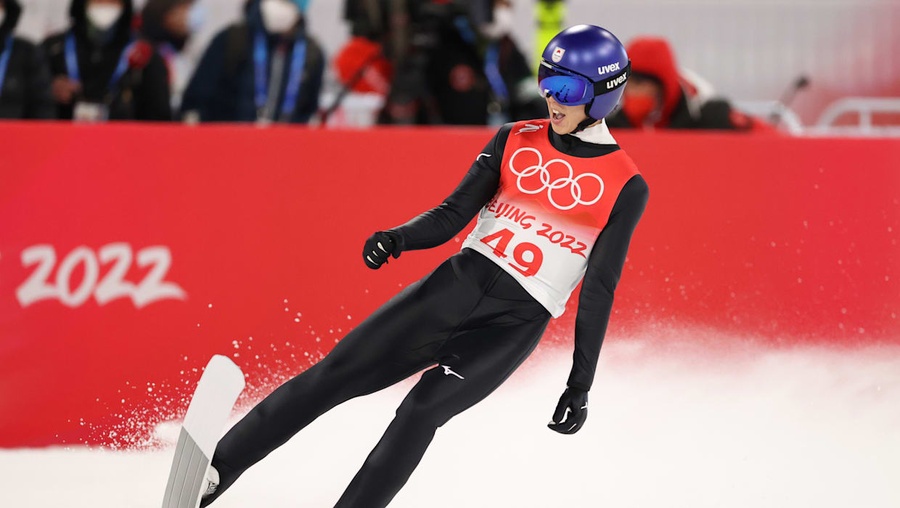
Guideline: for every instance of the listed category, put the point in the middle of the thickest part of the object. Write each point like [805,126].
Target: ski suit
[552,210]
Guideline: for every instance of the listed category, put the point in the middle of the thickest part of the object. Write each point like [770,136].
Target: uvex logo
[616,82]
[608,68]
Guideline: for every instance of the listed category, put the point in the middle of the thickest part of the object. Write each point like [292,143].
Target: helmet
[585,64]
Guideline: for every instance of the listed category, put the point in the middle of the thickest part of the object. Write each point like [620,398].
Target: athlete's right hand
[378,248]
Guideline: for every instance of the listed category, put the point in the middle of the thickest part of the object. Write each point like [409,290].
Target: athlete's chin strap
[587,122]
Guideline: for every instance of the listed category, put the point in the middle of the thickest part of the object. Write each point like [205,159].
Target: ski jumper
[551,210]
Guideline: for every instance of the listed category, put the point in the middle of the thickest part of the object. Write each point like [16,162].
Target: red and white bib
[548,212]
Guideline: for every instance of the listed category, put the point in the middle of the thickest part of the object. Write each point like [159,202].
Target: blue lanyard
[167,51]
[492,71]
[261,68]
[4,60]
[72,62]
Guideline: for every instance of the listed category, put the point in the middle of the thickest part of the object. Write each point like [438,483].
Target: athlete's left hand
[571,412]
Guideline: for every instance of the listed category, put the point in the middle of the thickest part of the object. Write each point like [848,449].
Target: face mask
[104,16]
[638,108]
[196,17]
[279,16]
[502,24]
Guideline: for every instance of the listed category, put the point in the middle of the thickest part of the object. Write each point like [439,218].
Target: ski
[217,391]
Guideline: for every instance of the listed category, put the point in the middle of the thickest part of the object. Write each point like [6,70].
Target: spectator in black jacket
[168,25]
[434,48]
[454,62]
[514,95]
[101,72]
[264,69]
[24,76]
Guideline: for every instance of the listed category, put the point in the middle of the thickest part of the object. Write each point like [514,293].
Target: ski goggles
[572,89]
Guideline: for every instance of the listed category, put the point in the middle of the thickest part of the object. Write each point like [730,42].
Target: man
[266,69]
[513,96]
[24,75]
[437,66]
[662,96]
[101,72]
[557,202]
[168,25]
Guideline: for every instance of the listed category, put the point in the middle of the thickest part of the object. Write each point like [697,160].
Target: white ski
[219,387]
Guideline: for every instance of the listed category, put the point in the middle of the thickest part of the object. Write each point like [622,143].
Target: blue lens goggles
[572,89]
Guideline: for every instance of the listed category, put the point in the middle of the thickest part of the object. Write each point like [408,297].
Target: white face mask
[279,16]
[196,17]
[104,16]
[502,24]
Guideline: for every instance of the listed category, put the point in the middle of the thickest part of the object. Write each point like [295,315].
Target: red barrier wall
[129,254]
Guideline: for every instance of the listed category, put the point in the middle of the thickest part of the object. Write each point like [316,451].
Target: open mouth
[556,116]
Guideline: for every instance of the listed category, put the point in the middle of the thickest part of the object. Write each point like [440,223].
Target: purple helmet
[585,64]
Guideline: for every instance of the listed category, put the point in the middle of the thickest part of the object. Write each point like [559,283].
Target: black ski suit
[470,323]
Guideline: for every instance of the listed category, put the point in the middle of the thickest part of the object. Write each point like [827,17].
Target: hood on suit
[122,30]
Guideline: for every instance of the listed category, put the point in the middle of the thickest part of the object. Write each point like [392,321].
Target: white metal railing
[864,108]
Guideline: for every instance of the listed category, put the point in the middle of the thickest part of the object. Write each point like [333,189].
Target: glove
[571,412]
[377,249]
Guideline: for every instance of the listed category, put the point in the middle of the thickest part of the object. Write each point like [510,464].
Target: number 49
[526,266]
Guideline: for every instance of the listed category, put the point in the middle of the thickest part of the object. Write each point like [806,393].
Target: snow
[671,424]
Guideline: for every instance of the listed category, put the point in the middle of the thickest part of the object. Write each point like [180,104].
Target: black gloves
[571,412]
[377,249]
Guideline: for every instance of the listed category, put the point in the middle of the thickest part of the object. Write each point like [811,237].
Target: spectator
[661,96]
[101,72]
[455,62]
[168,25]
[362,67]
[454,71]
[364,64]
[265,69]
[514,94]
[433,48]
[24,76]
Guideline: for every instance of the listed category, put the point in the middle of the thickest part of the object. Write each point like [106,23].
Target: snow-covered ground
[669,426]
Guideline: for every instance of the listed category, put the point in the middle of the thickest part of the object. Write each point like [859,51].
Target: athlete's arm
[443,222]
[600,280]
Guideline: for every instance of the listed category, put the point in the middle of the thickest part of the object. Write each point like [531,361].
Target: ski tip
[222,363]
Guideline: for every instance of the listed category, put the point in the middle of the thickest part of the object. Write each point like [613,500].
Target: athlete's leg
[396,341]
[478,362]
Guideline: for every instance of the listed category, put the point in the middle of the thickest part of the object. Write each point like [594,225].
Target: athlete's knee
[421,410]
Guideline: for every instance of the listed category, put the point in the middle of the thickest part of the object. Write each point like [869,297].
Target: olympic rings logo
[536,178]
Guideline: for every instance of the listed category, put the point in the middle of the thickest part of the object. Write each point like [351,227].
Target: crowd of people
[433,62]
